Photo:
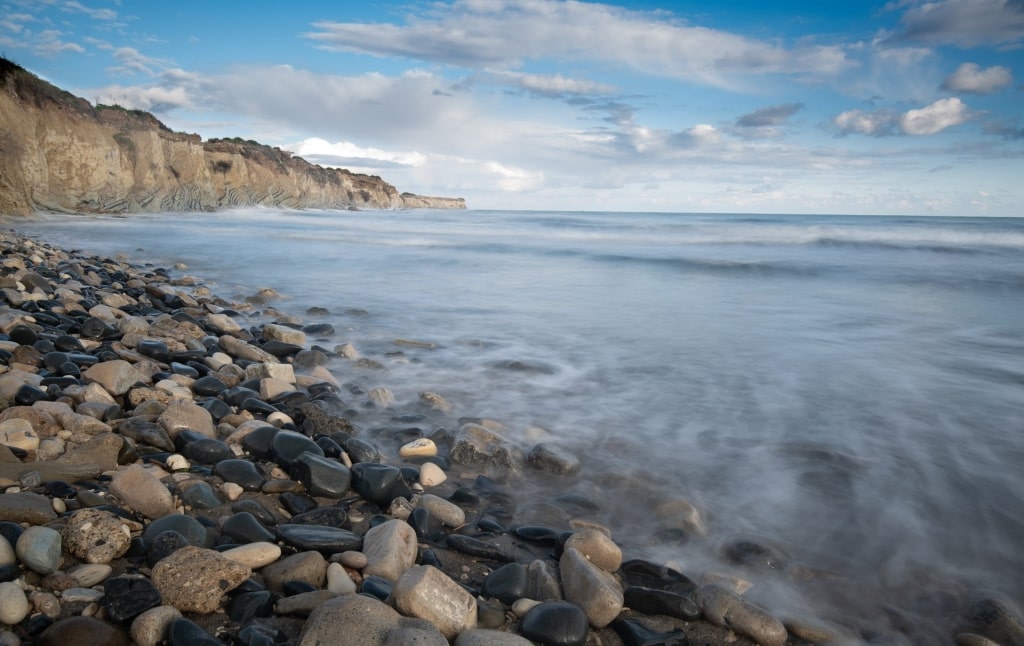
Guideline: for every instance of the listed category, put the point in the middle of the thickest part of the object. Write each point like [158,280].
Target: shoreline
[477,443]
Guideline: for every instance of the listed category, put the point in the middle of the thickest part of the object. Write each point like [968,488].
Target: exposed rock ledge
[59,153]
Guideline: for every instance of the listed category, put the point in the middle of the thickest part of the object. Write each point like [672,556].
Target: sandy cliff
[59,153]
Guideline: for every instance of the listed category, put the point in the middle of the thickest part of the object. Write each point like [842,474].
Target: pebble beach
[182,468]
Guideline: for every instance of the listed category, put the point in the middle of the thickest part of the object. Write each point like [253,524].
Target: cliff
[59,153]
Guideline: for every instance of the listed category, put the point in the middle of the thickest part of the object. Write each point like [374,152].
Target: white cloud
[876,123]
[502,34]
[349,155]
[152,99]
[929,120]
[969,77]
[552,85]
[132,60]
[964,23]
[944,113]
[48,43]
[97,14]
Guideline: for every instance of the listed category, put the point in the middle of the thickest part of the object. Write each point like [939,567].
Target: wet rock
[245,528]
[143,492]
[95,536]
[634,633]
[997,620]
[329,516]
[241,472]
[450,514]
[194,579]
[126,597]
[327,540]
[198,494]
[287,446]
[597,592]
[477,547]
[302,603]
[428,593]
[556,623]
[553,459]
[507,584]
[322,476]
[182,632]
[474,445]
[191,529]
[651,601]
[543,583]
[207,451]
[390,549]
[426,525]
[724,608]
[379,483]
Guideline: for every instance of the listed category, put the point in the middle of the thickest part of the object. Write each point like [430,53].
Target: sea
[841,398]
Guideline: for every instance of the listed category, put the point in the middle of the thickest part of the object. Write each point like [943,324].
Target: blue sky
[893,107]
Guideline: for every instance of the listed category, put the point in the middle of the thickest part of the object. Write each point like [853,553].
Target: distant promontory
[60,153]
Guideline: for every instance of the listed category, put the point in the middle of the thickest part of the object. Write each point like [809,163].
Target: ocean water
[848,391]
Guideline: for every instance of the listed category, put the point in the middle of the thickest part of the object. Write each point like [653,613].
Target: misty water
[847,390]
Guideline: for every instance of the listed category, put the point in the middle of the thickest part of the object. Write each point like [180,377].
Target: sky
[798,106]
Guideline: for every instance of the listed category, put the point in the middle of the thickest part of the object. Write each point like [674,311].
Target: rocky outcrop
[59,153]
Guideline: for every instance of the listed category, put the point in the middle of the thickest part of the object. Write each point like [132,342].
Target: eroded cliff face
[58,153]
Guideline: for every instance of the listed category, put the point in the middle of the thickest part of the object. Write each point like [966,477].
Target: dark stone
[319,538]
[257,406]
[575,503]
[73,631]
[94,328]
[537,534]
[556,623]
[507,584]
[238,394]
[379,483]
[429,557]
[326,516]
[200,496]
[755,554]
[207,451]
[319,329]
[362,451]
[154,349]
[241,472]
[648,574]
[9,572]
[146,432]
[321,476]
[190,528]
[254,507]
[244,528]
[260,441]
[60,489]
[186,370]
[323,416]
[69,369]
[298,503]
[126,597]
[208,386]
[330,448]
[280,349]
[257,633]
[376,586]
[287,446]
[490,613]
[187,436]
[427,526]
[53,360]
[311,358]
[477,547]
[23,335]
[246,606]
[68,343]
[464,495]
[292,588]
[650,601]
[634,633]
[183,632]
[29,394]
[164,544]
[218,409]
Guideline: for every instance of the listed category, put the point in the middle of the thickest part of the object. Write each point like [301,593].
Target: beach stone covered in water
[379,483]
[194,579]
[553,459]
[724,608]
[429,593]
[995,619]
[475,445]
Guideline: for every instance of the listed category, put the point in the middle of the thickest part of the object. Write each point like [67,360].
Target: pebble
[26,507]
[553,459]
[254,555]
[142,491]
[126,597]
[194,579]
[724,608]
[598,548]
[308,567]
[72,631]
[349,620]
[231,490]
[427,593]
[91,574]
[96,536]
[450,514]
[14,606]
[39,548]
[352,559]
[556,623]
[150,627]
[390,549]
[338,580]
[320,538]
[594,590]
[431,475]
[423,447]
[7,555]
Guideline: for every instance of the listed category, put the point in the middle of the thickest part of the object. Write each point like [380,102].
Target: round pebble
[254,555]
[39,548]
[431,475]
[14,606]
[150,628]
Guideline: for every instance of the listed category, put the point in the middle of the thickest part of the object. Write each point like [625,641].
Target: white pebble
[279,419]
[91,574]
[423,447]
[431,474]
[338,580]
[523,606]
[59,505]
[7,555]
[231,490]
[177,462]
[14,606]
[254,555]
